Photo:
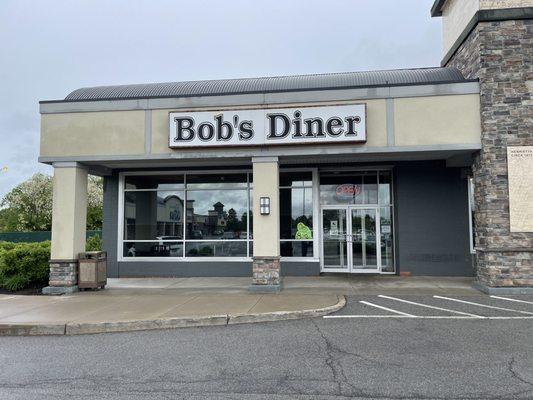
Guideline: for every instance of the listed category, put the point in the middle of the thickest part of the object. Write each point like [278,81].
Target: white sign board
[260,127]
[520,170]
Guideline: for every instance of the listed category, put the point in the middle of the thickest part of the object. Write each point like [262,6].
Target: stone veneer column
[69,219]
[500,54]
[266,265]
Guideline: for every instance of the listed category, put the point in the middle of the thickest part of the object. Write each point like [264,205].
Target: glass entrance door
[351,240]
[335,240]
[364,240]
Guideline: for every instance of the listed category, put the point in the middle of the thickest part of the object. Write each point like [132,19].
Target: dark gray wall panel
[110,229]
[184,269]
[300,268]
[208,268]
[432,220]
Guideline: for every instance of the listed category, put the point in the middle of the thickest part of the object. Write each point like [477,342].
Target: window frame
[315,212]
[121,197]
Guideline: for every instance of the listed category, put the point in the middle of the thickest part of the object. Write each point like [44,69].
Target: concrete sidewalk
[159,303]
[327,284]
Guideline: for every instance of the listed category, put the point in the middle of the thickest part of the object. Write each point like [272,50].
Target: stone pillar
[69,219]
[497,50]
[266,265]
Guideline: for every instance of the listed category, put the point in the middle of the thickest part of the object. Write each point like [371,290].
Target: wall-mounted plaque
[520,171]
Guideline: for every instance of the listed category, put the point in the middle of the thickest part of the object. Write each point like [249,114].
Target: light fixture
[264,205]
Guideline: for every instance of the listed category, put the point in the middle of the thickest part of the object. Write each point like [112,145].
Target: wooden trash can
[92,271]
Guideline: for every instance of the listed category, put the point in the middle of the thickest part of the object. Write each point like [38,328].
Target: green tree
[31,201]
[28,206]
[8,220]
[95,209]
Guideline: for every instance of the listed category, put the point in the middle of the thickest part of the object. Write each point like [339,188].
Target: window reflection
[296,213]
[157,182]
[355,187]
[211,210]
[217,214]
[216,249]
[297,248]
[385,187]
[295,179]
[153,215]
[216,181]
[153,249]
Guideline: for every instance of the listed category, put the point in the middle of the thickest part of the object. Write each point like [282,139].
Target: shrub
[27,264]
[94,243]
[24,264]
[5,246]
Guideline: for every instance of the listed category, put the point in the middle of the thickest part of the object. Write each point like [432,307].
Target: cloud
[50,48]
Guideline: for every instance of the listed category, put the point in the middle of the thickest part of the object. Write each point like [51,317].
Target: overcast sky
[50,47]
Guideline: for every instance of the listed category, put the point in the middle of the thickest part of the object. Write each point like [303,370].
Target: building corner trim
[486,16]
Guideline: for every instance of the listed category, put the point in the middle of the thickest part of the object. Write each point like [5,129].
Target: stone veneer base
[63,277]
[59,290]
[502,290]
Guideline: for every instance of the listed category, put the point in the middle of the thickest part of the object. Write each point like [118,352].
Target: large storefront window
[187,215]
[296,214]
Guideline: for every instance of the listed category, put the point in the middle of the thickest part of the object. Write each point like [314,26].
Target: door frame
[347,208]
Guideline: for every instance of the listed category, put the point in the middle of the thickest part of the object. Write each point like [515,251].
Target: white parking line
[386,309]
[483,305]
[428,306]
[422,317]
[516,300]
[7,297]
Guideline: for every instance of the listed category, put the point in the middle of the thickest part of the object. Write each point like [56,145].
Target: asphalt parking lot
[377,347]
[437,307]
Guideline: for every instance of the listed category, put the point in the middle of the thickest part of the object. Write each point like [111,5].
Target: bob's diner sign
[259,127]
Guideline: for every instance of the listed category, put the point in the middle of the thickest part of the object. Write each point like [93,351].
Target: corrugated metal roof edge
[258,92]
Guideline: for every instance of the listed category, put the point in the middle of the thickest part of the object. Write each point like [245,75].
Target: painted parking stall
[437,307]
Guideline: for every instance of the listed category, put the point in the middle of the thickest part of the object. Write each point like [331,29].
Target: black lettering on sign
[352,121]
[246,131]
[272,123]
[334,126]
[184,129]
[314,127]
[297,122]
[223,128]
[206,131]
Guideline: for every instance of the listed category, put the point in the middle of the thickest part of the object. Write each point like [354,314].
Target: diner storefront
[367,180]
[332,219]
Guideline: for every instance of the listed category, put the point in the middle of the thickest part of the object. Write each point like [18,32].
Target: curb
[165,323]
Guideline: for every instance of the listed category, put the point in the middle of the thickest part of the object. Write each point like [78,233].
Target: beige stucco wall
[69,213]
[92,133]
[456,14]
[437,120]
[447,119]
[376,125]
[266,227]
